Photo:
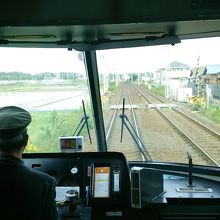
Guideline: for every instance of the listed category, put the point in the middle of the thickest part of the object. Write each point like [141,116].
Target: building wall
[176,81]
[215,92]
[177,89]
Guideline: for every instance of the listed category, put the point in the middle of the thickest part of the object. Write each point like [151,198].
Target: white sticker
[101,184]
[116,182]
[74,170]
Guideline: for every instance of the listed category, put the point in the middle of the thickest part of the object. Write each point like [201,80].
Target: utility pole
[197,79]
[200,87]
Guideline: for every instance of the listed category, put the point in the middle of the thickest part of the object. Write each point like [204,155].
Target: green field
[159,90]
[212,113]
[46,127]
[38,87]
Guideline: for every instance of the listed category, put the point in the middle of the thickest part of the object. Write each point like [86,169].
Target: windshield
[162,103]
[159,103]
[52,85]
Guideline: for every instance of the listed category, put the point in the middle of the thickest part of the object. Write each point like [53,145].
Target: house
[176,78]
[159,76]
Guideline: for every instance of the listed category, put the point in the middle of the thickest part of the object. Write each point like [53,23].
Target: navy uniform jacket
[24,193]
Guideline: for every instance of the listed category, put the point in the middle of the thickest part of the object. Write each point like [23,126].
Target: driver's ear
[25,140]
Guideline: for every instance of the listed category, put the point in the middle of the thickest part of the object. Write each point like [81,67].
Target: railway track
[205,142]
[128,145]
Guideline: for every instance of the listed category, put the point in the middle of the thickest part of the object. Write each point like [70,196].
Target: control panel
[101,178]
[99,185]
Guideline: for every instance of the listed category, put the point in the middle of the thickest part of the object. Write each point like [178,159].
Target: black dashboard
[102,185]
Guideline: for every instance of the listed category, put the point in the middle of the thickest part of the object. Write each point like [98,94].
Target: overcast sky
[117,60]
[151,58]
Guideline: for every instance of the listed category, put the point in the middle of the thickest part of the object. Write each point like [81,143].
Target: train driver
[24,193]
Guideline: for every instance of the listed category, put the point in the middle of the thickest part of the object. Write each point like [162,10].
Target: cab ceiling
[98,24]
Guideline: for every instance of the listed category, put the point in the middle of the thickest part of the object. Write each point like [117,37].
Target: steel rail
[141,146]
[185,115]
[113,116]
[142,150]
[181,131]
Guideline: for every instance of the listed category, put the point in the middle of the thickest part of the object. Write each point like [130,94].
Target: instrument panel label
[102,182]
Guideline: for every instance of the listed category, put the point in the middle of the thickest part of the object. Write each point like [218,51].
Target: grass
[158,90]
[213,113]
[112,87]
[22,87]
[46,127]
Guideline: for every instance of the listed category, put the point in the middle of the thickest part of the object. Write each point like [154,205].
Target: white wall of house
[176,83]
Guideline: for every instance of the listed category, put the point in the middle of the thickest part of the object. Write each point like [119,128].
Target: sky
[36,60]
[155,57]
[116,60]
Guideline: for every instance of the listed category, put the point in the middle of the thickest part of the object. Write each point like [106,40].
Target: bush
[46,127]
[112,87]
[197,106]
[212,113]
[216,115]
[159,90]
